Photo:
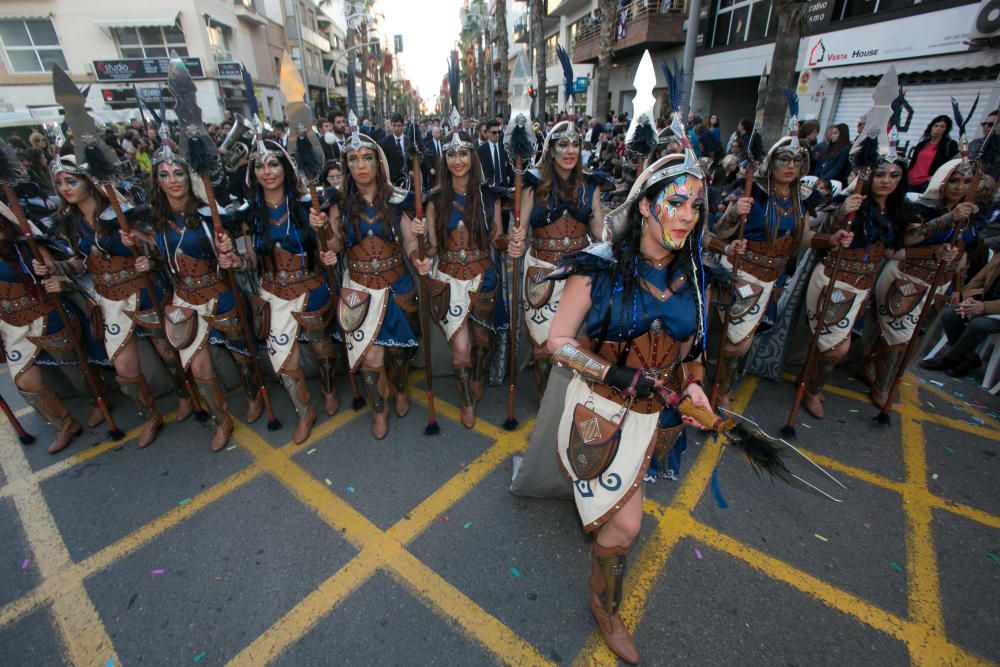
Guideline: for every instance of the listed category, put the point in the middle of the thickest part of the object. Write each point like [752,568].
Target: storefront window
[150,42]
[741,21]
[31,45]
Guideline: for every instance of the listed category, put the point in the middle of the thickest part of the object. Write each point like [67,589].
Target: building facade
[845,47]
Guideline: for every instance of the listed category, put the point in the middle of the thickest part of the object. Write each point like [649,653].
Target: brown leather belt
[286,282]
[657,354]
[115,277]
[853,268]
[375,273]
[464,263]
[564,235]
[18,308]
[924,268]
[765,261]
[196,280]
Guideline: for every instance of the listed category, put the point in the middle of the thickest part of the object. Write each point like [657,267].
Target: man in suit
[333,129]
[493,157]
[970,322]
[432,156]
[394,147]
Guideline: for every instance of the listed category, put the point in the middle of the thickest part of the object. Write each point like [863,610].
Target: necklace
[275,204]
[658,263]
[661,295]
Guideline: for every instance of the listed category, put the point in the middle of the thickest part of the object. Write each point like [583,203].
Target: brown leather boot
[326,360]
[185,404]
[95,418]
[466,395]
[215,404]
[607,575]
[294,382]
[397,372]
[137,389]
[50,407]
[376,388]
[813,403]
[255,402]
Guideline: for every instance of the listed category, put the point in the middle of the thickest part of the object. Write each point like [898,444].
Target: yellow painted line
[310,611]
[321,429]
[84,637]
[454,414]
[925,646]
[965,427]
[922,580]
[649,562]
[965,511]
[954,400]
[20,412]
[456,607]
[417,519]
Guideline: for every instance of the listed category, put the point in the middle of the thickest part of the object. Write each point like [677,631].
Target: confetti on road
[311,451]
[896,567]
[949,449]
[934,476]
[111,662]
[805,425]
[931,404]
[852,410]
[820,537]
[937,384]
[466,524]
[958,393]
[444,518]
[868,525]
[157,571]
[25,563]
[184,502]
[350,489]
[328,482]
[993,557]
[198,657]
[230,448]
[461,464]
[513,571]
[697,553]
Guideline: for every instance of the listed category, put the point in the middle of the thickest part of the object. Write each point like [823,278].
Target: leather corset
[196,280]
[375,262]
[924,268]
[459,259]
[657,354]
[854,268]
[766,263]
[291,277]
[115,277]
[19,308]
[553,240]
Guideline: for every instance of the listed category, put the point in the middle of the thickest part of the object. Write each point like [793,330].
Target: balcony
[309,36]
[250,11]
[565,7]
[646,27]
[521,30]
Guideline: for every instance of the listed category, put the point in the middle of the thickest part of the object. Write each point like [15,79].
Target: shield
[903,296]
[745,297]
[228,325]
[538,290]
[439,296]
[316,323]
[181,325]
[593,442]
[59,344]
[482,304]
[147,319]
[352,309]
[839,306]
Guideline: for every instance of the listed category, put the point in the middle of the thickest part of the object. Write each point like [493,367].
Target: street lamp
[360,19]
[478,17]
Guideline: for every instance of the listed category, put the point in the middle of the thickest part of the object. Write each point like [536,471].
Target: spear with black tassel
[201,156]
[22,435]
[11,173]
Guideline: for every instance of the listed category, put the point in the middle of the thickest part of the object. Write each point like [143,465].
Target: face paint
[564,144]
[784,159]
[461,153]
[166,173]
[677,209]
[272,165]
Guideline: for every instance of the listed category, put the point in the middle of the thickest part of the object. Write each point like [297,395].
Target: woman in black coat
[934,149]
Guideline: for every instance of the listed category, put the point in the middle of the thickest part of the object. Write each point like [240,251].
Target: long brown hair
[473,201]
[69,213]
[356,202]
[566,190]
[159,206]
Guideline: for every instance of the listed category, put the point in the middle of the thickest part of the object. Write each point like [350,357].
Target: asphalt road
[411,551]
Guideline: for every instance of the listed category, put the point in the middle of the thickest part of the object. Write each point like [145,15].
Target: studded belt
[463,256]
[285,278]
[370,266]
[549,249]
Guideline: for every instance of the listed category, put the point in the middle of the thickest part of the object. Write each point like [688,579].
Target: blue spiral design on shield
[456,311]
[113,328]
[611,481]
[280,340]
[14,355]
[358,335]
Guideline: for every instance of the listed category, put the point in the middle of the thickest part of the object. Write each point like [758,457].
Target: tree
[782,74]
[602,105]
[538,46]
[501,42]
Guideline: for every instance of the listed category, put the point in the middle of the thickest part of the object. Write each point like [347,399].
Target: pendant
[656,328]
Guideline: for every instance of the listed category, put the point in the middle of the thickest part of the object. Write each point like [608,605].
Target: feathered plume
[961,123]
[755,149]
[98,160]
[895,121]
[520,144]
[11,169]
[675,79]
[309,163]
[248,89]
[866,154]
[453,76]
[793,102]
[567,67]
[643,140]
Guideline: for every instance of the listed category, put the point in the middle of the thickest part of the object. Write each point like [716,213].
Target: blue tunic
[776,216]
[396,330]
[546,212]
[107,240]
[281,232]
[96,354]
[197,243]
[968,233]
[678,315]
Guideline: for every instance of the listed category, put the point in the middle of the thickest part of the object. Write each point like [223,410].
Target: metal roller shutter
[927,100]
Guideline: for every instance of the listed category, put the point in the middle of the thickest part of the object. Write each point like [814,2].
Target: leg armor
[730,366]
[326,360]
[137,389]
[606,579]
[79,381]
[463,381]
[542,366]
[47,404]
[480,358]
[215,403]
[255,402]
[294,382]
[370,379]
[397,367]
[818,379]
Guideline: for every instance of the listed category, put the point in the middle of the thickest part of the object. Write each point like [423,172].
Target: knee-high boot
[375,387]
[607,575]
[211,396]
[480,359]
[466,394]
[879,368]
[185,402]
[815,381]
[730,366]
[294,382]
[255,402]
[397,371]
[326,360]
[137,389]
[77,378]
[50,407]
[541,366]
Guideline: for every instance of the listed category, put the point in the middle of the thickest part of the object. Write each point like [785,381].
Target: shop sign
[142,69]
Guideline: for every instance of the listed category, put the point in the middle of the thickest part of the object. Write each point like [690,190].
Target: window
[150,42]
[31,44]
[550,50]
[219,38]
[742,21]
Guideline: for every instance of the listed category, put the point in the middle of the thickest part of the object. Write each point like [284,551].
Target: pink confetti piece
[157,571]
[868,525]
[25,563]
[697,553]
[444,518]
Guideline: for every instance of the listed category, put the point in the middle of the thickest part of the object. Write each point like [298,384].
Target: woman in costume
[904,283]
[877,231]
[89,225]
[775,229]
[378,310]
[33,333]
[465,220]
[203,309]
[564,212]
[292,282]
[641,311]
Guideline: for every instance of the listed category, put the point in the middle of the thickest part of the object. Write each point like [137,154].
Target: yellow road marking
[84,637]
[992,423]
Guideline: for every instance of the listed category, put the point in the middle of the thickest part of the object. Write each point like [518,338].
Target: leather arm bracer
[587,364]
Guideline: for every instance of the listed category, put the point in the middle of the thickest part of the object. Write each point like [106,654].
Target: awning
[212,20]
[139,19]
[966,60]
